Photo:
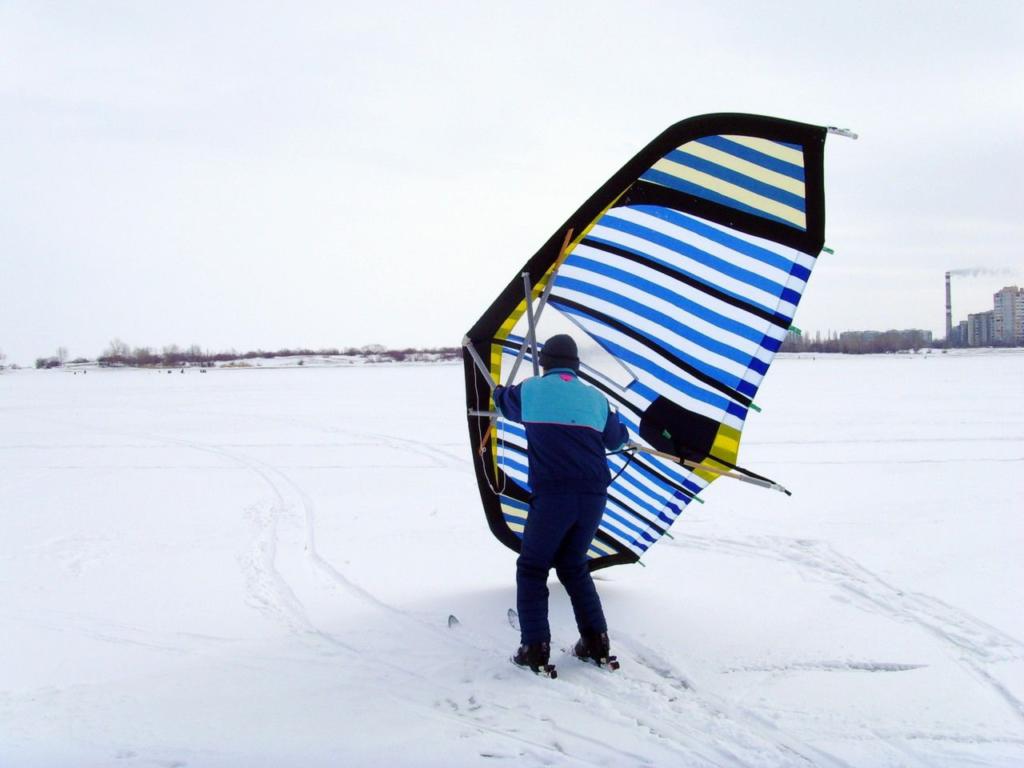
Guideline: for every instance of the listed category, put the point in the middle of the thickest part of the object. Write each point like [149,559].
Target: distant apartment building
[981,329]
[1008,316]
[958,337]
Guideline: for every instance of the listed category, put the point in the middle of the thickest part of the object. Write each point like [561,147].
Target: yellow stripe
[600,545]
[747,168]
[727,443]
[726,446]
[707,477]
[752,199]
[516,527]
[769,147]
[501,335]
[514,511]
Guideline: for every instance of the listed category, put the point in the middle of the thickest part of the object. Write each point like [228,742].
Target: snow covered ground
[256,567]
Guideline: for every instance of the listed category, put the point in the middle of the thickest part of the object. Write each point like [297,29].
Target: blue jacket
[568,427]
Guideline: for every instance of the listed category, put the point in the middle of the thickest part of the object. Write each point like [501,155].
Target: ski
[611,663]
[545,670]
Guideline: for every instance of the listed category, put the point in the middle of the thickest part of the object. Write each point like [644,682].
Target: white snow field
[256,568]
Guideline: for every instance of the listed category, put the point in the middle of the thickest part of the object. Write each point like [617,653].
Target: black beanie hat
[560,352]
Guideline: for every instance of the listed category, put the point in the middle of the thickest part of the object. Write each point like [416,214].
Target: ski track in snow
[971,642]
[666,724]
[648,696]
[585,716]
[681,698]
[652,697]
[271,593]
[269,588]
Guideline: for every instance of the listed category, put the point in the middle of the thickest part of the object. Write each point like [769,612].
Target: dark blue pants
[558,532]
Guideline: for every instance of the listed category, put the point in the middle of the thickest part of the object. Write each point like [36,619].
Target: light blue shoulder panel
[560,398]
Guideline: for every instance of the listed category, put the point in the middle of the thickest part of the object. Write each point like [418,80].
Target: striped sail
[686,268]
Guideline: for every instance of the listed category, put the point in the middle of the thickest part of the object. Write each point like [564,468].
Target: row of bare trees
[859,342]
[57,360]
[120,353]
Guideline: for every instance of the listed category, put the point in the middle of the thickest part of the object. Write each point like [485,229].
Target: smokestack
[949,313]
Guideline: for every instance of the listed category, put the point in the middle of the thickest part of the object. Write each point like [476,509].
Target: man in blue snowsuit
[568,427]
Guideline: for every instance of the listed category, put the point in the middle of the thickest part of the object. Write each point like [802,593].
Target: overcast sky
[253,174]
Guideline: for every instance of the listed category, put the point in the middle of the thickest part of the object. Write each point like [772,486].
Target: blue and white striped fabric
[685,270]
[755,175]
[711,316]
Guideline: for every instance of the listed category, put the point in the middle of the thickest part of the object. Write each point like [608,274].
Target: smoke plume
[983,272]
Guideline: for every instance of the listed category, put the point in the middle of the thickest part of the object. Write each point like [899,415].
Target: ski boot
[536,656]
[595,648]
